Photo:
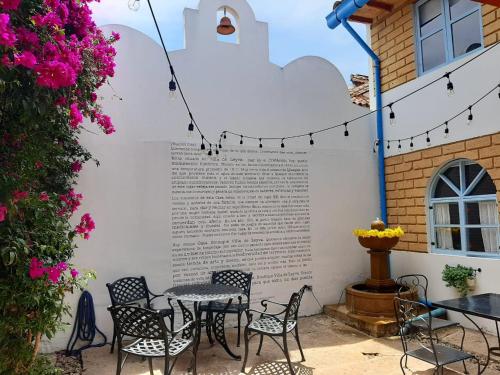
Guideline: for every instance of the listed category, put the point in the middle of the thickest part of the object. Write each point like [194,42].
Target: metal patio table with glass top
[199,294]
[485,306]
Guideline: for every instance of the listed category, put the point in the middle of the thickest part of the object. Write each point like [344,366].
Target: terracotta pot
[376,243]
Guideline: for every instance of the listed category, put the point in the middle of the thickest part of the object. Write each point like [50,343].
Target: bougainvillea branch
[53,59]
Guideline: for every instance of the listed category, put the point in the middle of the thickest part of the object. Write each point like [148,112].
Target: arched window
[464,210]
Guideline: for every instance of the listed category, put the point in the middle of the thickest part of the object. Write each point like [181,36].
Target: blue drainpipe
[334,19]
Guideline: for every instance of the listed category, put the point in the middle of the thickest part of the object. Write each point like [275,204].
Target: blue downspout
[380,123]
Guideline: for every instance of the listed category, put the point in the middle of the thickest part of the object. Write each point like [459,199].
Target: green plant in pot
[459,277]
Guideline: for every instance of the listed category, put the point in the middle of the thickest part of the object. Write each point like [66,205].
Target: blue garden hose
[84,328]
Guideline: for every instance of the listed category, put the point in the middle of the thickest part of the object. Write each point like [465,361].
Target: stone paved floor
[330,348]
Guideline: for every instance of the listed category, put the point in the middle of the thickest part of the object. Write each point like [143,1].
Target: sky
[297,28]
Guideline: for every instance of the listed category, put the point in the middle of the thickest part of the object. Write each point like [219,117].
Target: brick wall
[393,40]
[408,175]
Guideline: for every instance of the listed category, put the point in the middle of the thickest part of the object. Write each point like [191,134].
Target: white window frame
[447,33]
[461,199]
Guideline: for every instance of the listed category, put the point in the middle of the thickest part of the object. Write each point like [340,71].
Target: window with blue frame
[463,211]
[446,30]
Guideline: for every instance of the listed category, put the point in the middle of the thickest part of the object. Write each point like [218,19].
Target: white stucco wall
[232,87]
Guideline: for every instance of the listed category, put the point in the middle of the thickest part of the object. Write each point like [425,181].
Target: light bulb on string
[470,117]
[210,150]
[283,143]
[172,86]
[216,151]
[411,142]
[241,139]
[428,139]
[446,130]
[375,145]
[220,141]
[346,132]
[202,142]
[311,141]
[224,135]
[190,127]
[399,144]
[134,5]
[392,115]
[498,91]
[388,145]
[449,85]
[260,142]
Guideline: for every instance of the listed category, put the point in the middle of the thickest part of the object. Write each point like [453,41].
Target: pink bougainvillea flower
[76,166]
[19,195]
[10,4]
[7,36]
[75,115]
[26,59]
[55,74]
[60,101]
[44,197]
[3,212]
[71,202]
[37,269]
[28,39]
[74,273]
[62,266]
[105,122]
[86,226]
[38,165]
[93,97]
[115,35]
[53,273]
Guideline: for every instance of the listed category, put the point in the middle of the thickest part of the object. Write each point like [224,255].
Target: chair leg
[150,362]
[119,363]
[287,355]
[401,363]
[297,338]
[113,341]
[194,363]
[172,322]
[260,344]
[208,326]
[239,328]
[167,365]
[245,336]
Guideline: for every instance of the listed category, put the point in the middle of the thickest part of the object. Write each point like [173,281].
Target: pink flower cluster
[19,196]
[57,60]
[76,166]
[37,270]
[3,212]
[86,226]
[70,201]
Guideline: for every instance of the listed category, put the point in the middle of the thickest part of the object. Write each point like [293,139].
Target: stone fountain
[369,304]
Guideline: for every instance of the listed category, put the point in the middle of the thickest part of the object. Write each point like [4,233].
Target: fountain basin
[361,299]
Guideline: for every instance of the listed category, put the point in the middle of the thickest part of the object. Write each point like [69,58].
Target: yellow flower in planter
[386,233]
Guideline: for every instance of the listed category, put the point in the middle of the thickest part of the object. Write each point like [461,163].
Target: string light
[498,91]
[260,142]
[470,117]
[392,115]
[449,85]
[388,145]
[375,145]
[202,142]
[446,130]
[428,139]
[224,135]
[399,144]
[411,142]
[346,132]
[172,86]
[283,143]
[311,141]
[210,151]
[241,140]
[216,151]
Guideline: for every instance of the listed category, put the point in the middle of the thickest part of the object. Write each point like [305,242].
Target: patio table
[485,306]
[205,293]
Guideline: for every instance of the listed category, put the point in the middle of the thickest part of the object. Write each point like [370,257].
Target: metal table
[204,293]
[485,306]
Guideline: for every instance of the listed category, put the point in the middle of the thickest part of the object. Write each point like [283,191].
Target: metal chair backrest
[417,283]
[407,313]
[292,309]
[129,290]
[138,322]
[239,279]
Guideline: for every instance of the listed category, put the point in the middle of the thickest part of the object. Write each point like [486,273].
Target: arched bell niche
[226,11]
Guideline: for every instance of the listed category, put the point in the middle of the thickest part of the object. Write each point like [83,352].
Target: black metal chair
[151,337]
[135,291]
[239,279]
[416,332]
[419,284]
[276,325]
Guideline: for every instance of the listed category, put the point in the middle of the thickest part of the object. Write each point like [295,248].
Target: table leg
[485,340]
[219,332]
[496,350]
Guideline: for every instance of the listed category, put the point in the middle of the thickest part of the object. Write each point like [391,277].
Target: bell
[225,27]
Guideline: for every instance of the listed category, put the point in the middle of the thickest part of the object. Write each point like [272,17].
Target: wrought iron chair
[276,325]
[135,291]
[426,348]
[239,279]
[419,284]
[151,337]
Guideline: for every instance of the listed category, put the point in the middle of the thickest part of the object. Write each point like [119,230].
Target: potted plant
[460,277]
